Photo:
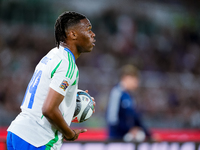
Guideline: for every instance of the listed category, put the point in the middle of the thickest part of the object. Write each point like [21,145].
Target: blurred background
[160,37]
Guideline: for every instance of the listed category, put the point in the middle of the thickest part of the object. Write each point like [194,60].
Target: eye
[90,28]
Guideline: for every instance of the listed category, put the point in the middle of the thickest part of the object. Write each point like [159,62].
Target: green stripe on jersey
[49,145]
[54,70]
[71,67]
[76,78]
[72,73]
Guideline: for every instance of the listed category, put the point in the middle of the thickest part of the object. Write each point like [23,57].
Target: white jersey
[56,70]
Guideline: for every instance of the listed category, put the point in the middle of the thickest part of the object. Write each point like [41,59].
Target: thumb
[83,130]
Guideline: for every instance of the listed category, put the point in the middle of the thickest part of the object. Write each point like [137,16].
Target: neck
[71,48]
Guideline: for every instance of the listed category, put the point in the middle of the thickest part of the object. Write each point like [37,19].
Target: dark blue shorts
[16,143]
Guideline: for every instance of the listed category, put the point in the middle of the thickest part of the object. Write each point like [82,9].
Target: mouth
[93,43]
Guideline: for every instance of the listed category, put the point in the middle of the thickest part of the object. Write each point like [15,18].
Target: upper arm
[52,101]
[60,81]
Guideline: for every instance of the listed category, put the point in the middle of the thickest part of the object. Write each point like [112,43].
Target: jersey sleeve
[61,76]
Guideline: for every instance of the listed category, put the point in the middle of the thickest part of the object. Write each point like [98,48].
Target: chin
[88,50]
[85,50]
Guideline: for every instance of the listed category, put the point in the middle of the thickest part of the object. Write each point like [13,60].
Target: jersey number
[32,87]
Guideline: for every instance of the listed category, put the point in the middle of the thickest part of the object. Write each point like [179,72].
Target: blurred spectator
[124,122]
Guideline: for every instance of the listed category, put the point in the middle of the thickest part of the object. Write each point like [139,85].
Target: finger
[94,104]
[86,91]
[83,130]
[92,98]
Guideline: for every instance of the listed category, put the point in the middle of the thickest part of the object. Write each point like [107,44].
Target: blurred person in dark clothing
[124,122]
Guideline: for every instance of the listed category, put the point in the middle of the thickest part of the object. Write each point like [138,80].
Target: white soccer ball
[84,107]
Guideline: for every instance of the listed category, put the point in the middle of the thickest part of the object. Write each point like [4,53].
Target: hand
[94,103]
[135,134]
[76,134]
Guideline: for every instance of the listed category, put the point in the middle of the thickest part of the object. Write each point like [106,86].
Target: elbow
[46,111]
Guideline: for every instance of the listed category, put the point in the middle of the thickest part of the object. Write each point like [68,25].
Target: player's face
[85,40]
[131,82]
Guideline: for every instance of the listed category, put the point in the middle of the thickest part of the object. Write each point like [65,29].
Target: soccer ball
[84,107]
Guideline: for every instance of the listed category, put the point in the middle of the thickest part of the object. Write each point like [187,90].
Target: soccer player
[124,122]
[50,99]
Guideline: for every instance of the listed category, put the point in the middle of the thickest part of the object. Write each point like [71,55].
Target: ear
[73,35]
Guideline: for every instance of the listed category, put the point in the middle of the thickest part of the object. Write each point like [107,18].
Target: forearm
[56,119]
[138,120]
[52,112]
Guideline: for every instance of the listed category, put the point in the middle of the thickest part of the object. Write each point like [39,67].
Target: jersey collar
[66,49]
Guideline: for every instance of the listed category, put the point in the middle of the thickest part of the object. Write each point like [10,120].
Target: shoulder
[126,100]
[116,91]
[126,95]
[63,62]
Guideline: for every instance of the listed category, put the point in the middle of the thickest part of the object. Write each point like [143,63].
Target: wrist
[73,138]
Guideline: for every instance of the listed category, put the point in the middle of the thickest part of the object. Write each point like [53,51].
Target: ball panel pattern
[78,106]
[84,107]
[85,112]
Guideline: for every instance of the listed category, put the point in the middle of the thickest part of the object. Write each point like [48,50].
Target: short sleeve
[59,79]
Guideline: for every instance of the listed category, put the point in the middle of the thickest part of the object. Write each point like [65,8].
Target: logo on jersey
[64,85]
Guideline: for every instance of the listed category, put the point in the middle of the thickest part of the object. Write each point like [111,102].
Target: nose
[93,34]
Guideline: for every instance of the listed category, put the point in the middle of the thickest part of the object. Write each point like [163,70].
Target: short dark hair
[64,21]
[129,70]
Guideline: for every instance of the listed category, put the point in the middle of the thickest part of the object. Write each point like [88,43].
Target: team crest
[64,85]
